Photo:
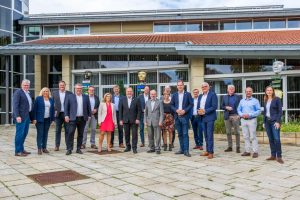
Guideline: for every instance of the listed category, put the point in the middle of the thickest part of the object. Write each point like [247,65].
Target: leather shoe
[246,154]
[255,155]
[111,145]
[271,158]
[26,152]
[45,151]
[210,156]
[127,150]
[238,150]
[93,146]
[187,154]
[196,147]
[78,151]
[201,148]
[142,145]
[21,154]
[56,149]
[178,152]
[229,149]
[134,151]
[280,160]
[151,151]
[204,153]
[121,145]
[157,152]
[69,152]
[82,146]
[39,151]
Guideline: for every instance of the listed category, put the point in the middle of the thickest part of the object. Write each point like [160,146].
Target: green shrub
[290,127]
[219,124]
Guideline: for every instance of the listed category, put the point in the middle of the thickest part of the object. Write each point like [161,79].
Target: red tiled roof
[286,37]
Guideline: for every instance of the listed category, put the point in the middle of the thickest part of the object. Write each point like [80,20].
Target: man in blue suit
[77,112]
[182,105]
[22,106]
[207,106]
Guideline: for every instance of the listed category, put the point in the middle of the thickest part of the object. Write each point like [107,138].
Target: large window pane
[66,30]
[294,23]
[177,27]
[261,24]
[113,79]
[17,28]
[6,3]
[31,78]
[86,62]
[114,61]
[258,65]
[54,80]
[293,115]
[220,86]
[82,29]
[170,60]
[2,79]
[293,83]
[293,100]
[30,64]
[194,26]
[210,25]
[18,64]
[172,76]
[5,38]
[94,79]
[142,60]
[5,19]
[227,25]
[222,66]
[33,30]
[277,23]
[50,30]
[161,27]
[150,78]
[258,86]
[293,64]
[18,5]
[55,64]
[243,24]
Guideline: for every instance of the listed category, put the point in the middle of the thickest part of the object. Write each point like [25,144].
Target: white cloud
[64,6]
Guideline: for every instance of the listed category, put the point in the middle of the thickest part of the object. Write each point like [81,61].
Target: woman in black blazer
[272,120]
[43,115]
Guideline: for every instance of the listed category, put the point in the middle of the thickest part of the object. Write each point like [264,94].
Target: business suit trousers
[198,130]
[21,133]
[233,122]
[79,124]
[59,121]
[120,131]
[93,123]
[154,137]
[182,127]
[42,129]
[133,127]
[249,134]
[274,139]
[208,128]
[142,133]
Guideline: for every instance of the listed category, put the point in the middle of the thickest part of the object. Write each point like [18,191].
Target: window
[33,32]
[82,29]
[50,30]
[227,25]
[177,26]
[112,79]
[293,64]
[172,76]
[94,79]
[261,24]
[210,25]
[294,23]
[55,71]
[150,78]
[194,26]
[258,65]
[142,60]
[277,23]
[243,24]
[66,30]
[86,62]
[161,27]
[114,61]
[170,60]
[5,19]
[4,38]
[6,3]
[222,66]
[18,5]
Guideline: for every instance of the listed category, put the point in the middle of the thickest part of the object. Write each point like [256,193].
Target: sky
[66,6]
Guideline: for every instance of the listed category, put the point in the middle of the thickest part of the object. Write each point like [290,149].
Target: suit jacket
[113,99]
[21,105]
[102,112]
[156,116]
[142,101]
[211,106]
[57,103]
[187,104]
[39,109]
[97,103]
[129,115]
[275,110]
[71,107]
[225,102]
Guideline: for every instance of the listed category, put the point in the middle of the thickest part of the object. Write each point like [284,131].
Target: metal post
[7,97]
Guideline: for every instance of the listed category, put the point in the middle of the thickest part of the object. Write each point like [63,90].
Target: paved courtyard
[148,176]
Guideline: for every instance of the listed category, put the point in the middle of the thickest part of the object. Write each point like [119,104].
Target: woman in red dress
[107,120]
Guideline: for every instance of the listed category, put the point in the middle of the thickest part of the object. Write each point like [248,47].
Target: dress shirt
[146,97]
[92,100]
[79,106]
[195,106]
[268,109]
[129,100]
[116,100]
[29,100]
[47,108]
[180,96]
[203,101]
[152,104]
[249,106]
[62,96]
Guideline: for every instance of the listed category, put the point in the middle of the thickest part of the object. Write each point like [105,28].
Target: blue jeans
[42,129]
[198,130]
[274,139]
[182,126]
[59,121]
[209,136]
[142,135]
[21,133]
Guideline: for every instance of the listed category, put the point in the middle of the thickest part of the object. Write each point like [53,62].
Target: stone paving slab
[148,176]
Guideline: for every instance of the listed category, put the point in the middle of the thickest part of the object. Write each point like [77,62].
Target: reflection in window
[277,23]
[210,25]
[177,27]
[293,100]
[113,79]
[261,24]
[142,60]
[293,64]
[5,19]
[294,23]
[243,24]
[222,66]
[161,27]
[86,61]
[33,30]
[150,78]
[55,64]
[18,5]
[293,84]
[258,85]
[114,61]
[170,60]
[94,79]
[172,76]
[82,29]
[6,3]
[50,30]
[54,80]
[258,65]
[66,30]
[227,25]
[194,26]
[5,38]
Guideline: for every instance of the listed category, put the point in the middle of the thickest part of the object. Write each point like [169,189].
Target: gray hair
[231,86]
[78,84]
[26,81]
[205,84]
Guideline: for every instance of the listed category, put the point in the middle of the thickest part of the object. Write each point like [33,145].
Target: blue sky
[58,6]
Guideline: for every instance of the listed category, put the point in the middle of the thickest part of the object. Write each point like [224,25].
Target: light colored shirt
[29,99]
[129,100]
[116,100]
[249,106]
[146,97]
[152,104]
[79,106]
[93,102]
[47,108]
[62,96]
[203,101]
[180,96]
[195,106]
[268,108]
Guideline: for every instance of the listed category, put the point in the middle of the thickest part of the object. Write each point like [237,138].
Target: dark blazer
[129,115]
[275,110]
[97,104]
[187,104]
[21,105]
[142,101]
[71,107]
[39,109]
[211,106]
[57,104]
[225,102]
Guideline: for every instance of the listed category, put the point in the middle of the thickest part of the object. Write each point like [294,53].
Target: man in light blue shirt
[248,109]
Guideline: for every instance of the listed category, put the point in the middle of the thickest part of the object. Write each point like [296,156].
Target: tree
[122,88]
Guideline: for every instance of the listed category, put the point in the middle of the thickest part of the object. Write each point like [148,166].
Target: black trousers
[59,121]
[72,125]
[120,131]
[133,127]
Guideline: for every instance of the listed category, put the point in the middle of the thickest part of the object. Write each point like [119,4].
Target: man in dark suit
[116,97]
[130,113]
[59,97]
[182,105]
[77,112]
[207,106]
[94,100]
[196,122]
[22,106]
[143,100]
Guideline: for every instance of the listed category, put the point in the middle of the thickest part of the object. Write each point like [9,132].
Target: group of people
[129,114]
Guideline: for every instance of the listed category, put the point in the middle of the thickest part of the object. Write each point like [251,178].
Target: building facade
[219,45]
